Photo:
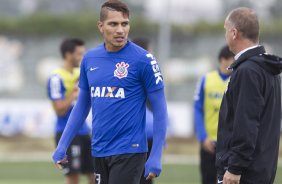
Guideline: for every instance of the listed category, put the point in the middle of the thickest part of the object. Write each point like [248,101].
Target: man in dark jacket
[250,113]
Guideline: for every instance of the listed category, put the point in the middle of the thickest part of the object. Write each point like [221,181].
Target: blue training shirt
[56,91]
[118,83]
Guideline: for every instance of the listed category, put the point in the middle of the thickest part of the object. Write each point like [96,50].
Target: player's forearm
[199,122]
[62,106]
[157,147]
[199,110]
[75,121]
[244,143]
[158,102]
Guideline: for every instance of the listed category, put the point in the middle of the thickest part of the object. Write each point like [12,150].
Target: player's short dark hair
[69,45]
[142,42]
[225,53]
[113,5]
[245,21]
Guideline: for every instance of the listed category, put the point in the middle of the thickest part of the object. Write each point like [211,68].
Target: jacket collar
[246,55]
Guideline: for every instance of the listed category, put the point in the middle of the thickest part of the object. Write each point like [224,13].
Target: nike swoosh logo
[92,69]
[218,181]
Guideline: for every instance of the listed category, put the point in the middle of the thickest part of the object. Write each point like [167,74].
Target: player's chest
[69,83]
[111,73]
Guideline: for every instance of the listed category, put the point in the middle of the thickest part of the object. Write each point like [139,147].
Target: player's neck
[67,66]
[244,44]
[112,48]
[223,70]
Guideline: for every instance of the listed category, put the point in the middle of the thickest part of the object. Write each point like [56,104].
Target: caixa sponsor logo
[155,68]
[107,92]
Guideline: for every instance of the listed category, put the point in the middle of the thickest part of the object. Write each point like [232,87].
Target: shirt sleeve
[151,74]
[75,122]
[83,81]
[56,88]
[160,118]
[199,110]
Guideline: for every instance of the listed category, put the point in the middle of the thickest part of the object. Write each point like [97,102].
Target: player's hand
[208,145]
[59,164]
[230,178]
[153,167]
[151,176]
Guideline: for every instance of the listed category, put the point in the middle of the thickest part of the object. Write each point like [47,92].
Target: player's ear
[235,33]
[100,26]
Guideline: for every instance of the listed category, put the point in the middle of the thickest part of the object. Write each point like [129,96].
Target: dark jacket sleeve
[248,103]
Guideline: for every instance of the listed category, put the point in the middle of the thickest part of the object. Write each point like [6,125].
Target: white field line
[46,156]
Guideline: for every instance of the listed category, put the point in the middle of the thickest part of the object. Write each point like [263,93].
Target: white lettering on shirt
[104,92]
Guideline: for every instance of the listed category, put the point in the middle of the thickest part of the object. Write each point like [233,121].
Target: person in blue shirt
[116,78]
[145,44]
[207,102]
[63,91]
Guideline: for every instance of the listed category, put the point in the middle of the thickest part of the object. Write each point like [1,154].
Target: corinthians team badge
[121,70]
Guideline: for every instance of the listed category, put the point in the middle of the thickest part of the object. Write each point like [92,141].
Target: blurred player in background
[116,78]
[250,113]
[145,44]
[63,92]
[207,102]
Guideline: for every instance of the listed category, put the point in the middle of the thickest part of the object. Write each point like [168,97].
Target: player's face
[229,34]
[115,30]
[225,63]
[77,55]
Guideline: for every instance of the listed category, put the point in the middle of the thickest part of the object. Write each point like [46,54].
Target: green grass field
[46,173]
[16,167]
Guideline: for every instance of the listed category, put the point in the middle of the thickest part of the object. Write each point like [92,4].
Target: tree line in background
[84,25]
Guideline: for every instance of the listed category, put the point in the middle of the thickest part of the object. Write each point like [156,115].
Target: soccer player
[207,102]
[116,78]
[145,44]
[250,113]
[63,91]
